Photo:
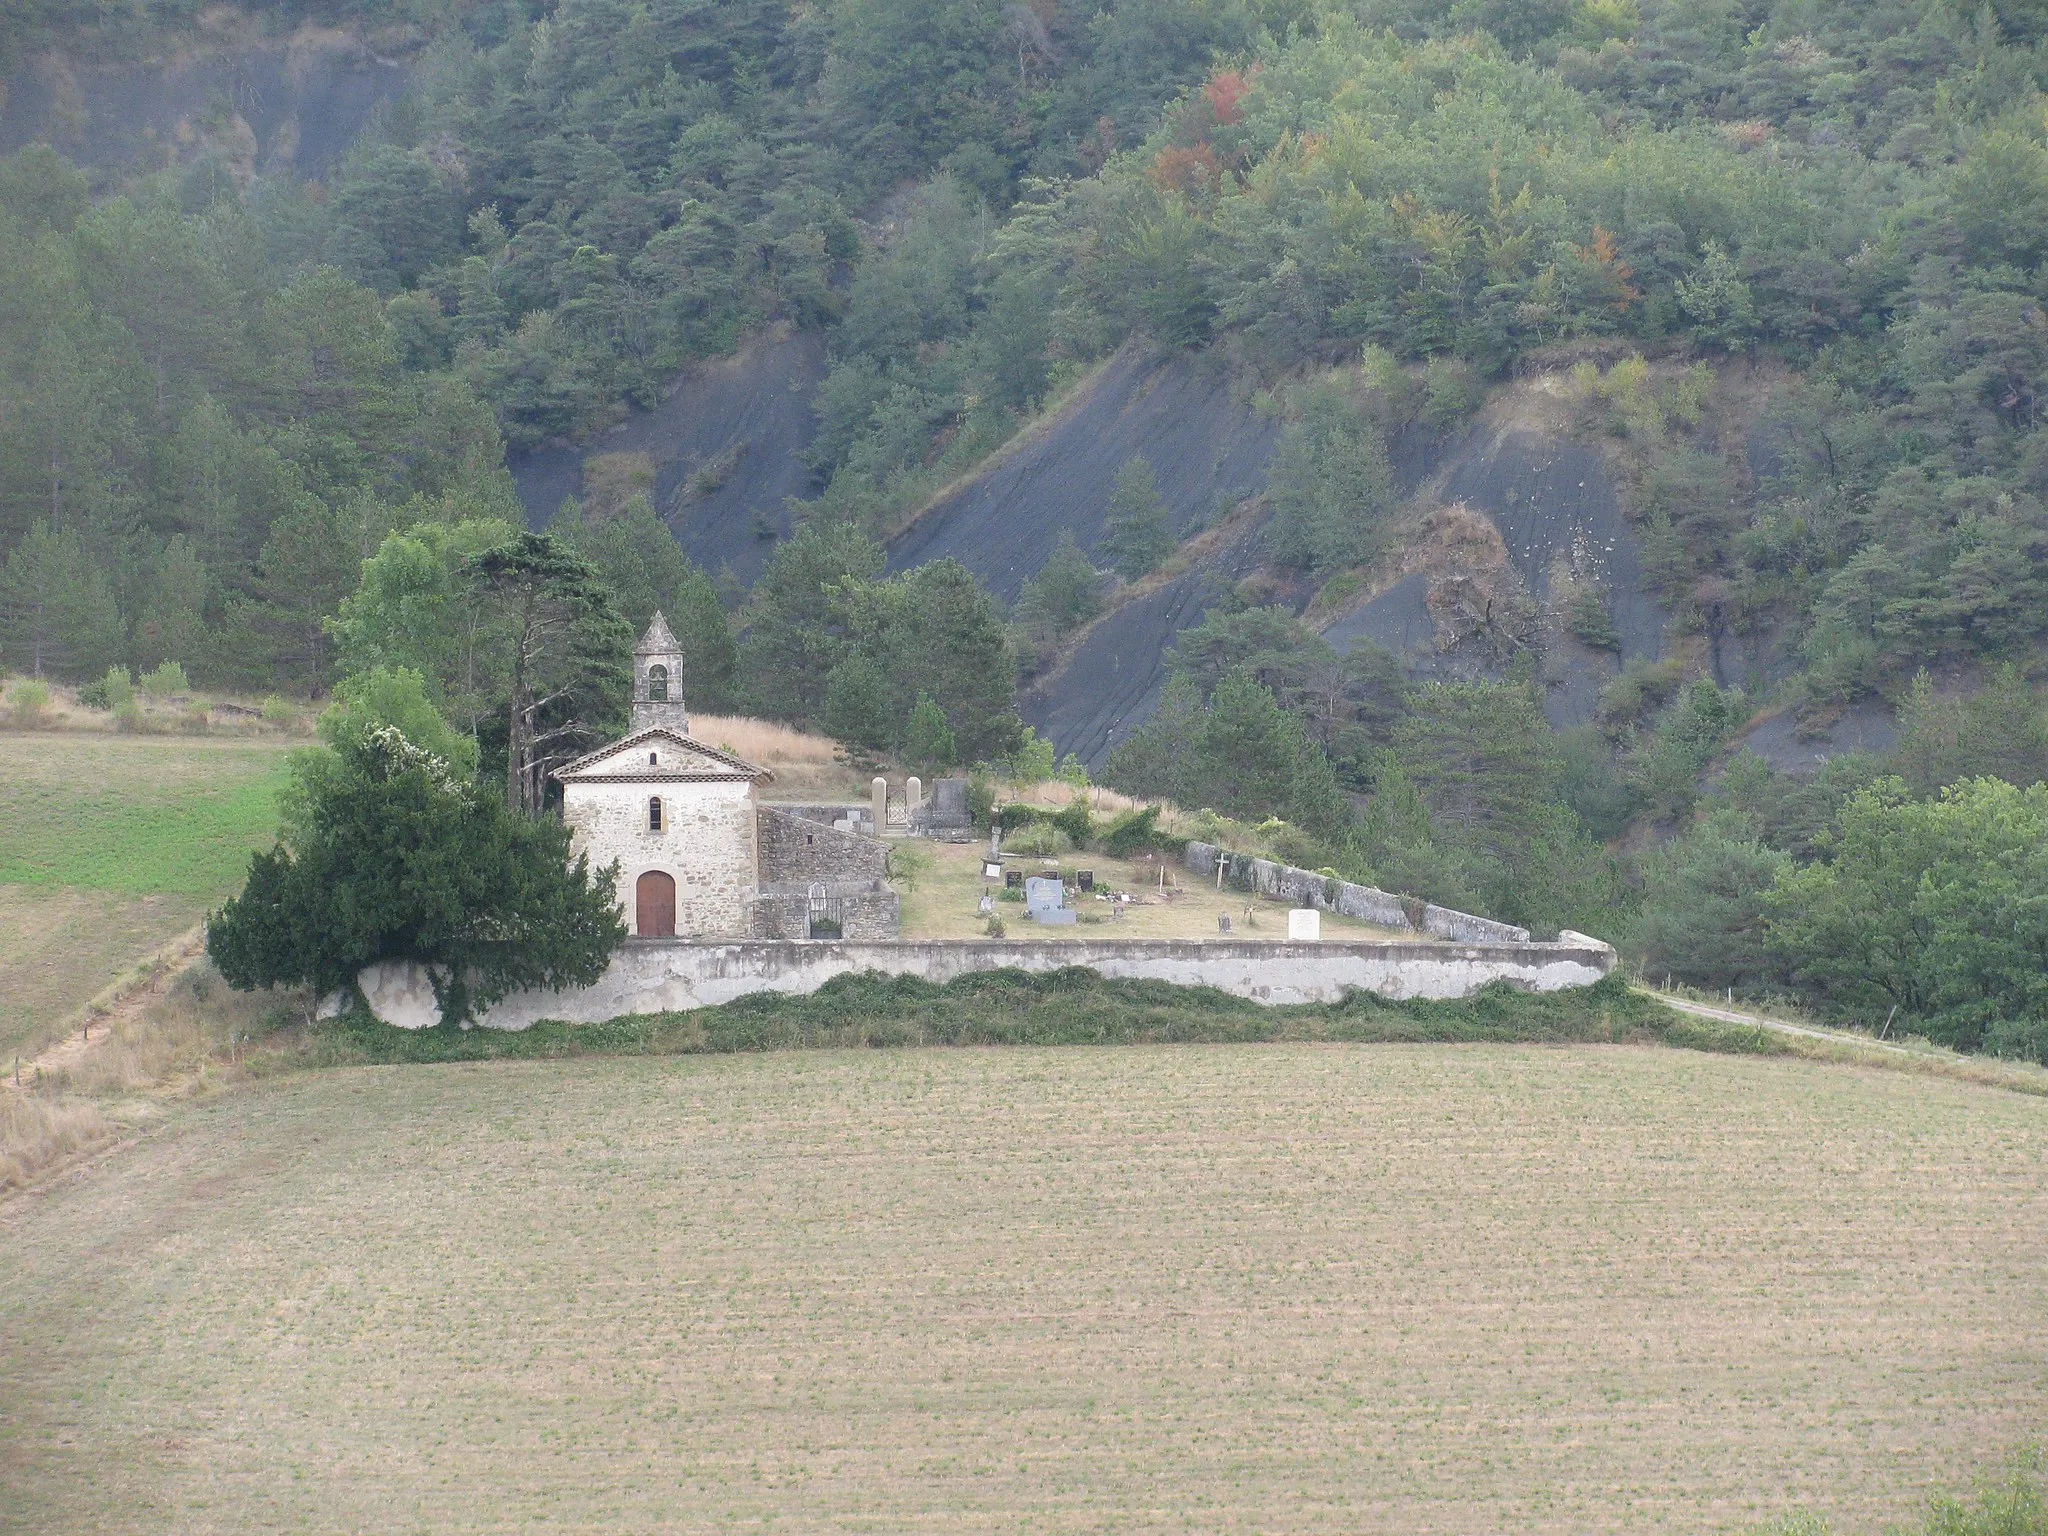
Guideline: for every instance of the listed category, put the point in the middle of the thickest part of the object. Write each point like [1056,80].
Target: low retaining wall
[657,975]
[1306,888]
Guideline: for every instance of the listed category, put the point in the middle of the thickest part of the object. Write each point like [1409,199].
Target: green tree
[1999,732]
[1702,917]
[1938,908]
[1136,534]
[1330,486]
[1256,760]
[859,703]
[415,607]
[944,636]
[172,624]
[565,653]
[1063,596]
[928,740]
[1482,757]
[646,568]
[398,859]
[796,629]
[57,609]
[377,698]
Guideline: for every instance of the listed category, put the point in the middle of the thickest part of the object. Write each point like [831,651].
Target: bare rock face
[399,993]
[720,457]
[260,105]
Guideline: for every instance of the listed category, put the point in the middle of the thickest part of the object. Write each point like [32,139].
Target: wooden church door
[654,901]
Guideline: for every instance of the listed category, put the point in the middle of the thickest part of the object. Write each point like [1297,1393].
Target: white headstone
[878,801]
[913,793]
[1304,923]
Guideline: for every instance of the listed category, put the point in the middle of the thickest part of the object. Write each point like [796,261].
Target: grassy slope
[1293,1289]
[109,846]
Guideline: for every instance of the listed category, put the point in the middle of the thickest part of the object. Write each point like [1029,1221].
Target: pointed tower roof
[659,640]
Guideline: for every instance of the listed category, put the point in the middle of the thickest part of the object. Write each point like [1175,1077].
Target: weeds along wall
[666,977]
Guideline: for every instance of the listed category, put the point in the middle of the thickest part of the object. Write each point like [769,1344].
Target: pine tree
[928,741]
[1063,595]
[1136,533]
[172,624]
[647,570]
[57,609]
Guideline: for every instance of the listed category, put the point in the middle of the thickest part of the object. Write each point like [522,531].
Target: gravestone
[878,798]
[949,811]
[1014,879]
[1045,901]
[1085,878]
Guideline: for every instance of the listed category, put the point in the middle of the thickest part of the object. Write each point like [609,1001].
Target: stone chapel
[699,855]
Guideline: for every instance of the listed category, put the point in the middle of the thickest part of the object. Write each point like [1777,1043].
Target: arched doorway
[654,905]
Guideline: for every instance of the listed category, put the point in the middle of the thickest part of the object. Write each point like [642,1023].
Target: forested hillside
[1773,268]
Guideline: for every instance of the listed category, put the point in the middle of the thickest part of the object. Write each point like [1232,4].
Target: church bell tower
[658,680]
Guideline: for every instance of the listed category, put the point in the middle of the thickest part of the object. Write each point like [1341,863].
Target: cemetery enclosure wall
[653,976]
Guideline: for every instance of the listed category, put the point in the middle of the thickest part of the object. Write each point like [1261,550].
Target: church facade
[699,855]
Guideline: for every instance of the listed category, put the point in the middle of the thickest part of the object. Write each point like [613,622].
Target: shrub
[165,681]
[910,861]
[1133,831]
[128,716]
[195,719]
[1075,820]
[108,692]
[1013,816]
[981,799]
[28,701]
[277,711]
[1041,838]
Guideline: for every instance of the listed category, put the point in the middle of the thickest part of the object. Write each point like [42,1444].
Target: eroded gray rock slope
[1207,447]
[304,106]
[751,411]
[1554,504]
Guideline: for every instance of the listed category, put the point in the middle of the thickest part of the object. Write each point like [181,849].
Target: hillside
[1455,430]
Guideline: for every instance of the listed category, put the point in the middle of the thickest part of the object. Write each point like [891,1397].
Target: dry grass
[230,715]
[763,741]
[806,766]
[37,1132]
[61,947]
[1280,1288]
[946,903]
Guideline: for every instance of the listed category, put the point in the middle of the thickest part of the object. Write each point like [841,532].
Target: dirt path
[2015,1075]
[99,1022]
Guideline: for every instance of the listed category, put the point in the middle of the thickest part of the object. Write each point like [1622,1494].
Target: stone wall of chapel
[706,841]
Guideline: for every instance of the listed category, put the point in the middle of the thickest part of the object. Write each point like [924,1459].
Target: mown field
[110,846]
[1286,1288]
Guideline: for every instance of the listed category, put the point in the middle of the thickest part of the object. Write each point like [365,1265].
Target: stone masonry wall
[1367,903]
[655,977]
[795,847]
[706,843]
[873,914]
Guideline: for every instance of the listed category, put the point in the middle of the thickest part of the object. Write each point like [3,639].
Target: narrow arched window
[657,684]
[654,814]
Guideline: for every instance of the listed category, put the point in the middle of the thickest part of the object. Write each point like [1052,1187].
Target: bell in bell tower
[658,680]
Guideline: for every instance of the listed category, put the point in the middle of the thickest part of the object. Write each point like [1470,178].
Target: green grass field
[109,846]
[1276,1288]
